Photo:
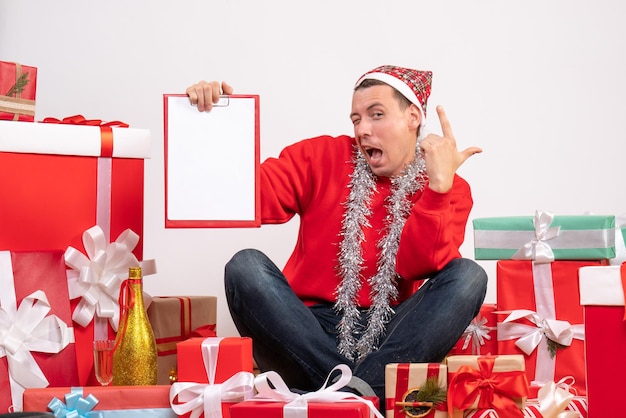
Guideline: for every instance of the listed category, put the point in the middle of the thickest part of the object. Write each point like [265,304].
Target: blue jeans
[300,342]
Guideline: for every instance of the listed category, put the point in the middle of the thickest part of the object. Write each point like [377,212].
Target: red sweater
[310,178]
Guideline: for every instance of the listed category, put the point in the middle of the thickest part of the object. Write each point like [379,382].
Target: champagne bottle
[135,355]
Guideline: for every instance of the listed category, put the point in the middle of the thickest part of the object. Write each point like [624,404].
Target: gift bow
[553,400]
[75,405]
[97,277]
[297,404]
[476,333]
[199,398]
[529,337]
[29,329]
[491,390]
[537,249]
[80,120]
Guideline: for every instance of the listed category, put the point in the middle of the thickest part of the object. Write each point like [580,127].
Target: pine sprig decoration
[18,87]
[419,402]
[431,392]
[553,346]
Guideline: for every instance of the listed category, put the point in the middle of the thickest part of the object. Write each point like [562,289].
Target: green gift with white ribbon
[545,237]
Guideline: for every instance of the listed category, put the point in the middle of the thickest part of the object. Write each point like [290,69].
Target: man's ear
[415,116]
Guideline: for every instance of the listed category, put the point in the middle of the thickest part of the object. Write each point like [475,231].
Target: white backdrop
[540,85]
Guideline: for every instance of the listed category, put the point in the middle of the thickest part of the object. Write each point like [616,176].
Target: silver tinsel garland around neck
[354,342]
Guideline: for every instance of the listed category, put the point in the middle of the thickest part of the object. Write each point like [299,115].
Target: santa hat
[412,84]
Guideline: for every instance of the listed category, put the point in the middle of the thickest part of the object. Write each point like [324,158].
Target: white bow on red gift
[207,398]
[296,405]
[25,329]
[97,276]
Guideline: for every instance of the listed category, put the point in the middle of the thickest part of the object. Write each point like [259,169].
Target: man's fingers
[446,128]
[226,88]
[468,152]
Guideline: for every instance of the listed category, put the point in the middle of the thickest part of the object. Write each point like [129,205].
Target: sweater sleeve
[434,231]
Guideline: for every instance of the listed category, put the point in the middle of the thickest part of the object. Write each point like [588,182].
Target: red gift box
[401,379]
[175,319]
[35,325]
[61,180]
[213,359]
[262,409]
[602,294]
[18,88]
[275,400]
[544,298]
[480,336]
[224,364]
[481,382]
[134,401]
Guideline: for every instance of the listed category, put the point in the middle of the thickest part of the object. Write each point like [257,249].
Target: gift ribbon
[553,401]
[537,249]
[97,276]
[487,389]
[272,388]
[620,246]
[476,333]
[75,405]
[199,398]
[24,329]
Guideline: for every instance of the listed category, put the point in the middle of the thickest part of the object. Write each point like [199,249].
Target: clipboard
[212,163]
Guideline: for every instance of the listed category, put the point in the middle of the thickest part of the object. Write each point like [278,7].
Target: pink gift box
[22,274]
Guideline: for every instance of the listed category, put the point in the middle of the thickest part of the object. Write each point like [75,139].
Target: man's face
[385,132]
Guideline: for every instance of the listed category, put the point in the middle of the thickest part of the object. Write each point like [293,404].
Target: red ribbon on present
[106,131]
[493,390]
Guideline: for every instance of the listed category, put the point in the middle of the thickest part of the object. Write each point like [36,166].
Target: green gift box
[545,237]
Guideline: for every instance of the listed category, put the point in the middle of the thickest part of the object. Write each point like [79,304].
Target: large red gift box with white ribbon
[36,336]
[602,292]
[545,323]
[59,180]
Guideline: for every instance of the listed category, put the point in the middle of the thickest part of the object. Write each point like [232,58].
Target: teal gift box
[545,237]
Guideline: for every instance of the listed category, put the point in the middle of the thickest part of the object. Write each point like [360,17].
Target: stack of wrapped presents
[71,226]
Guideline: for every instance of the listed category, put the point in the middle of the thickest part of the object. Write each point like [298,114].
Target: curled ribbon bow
[482,388]
[537,249]
[97,277]
[553,400]
[75,405]
[476,333]
[297,404]
[199,398]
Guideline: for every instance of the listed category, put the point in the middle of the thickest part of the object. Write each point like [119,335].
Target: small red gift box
[35,324]
[61,180]
[212,371]
[480,335]
[404,380]
[110,401]
[275,400]
[220,357]
[175,319]
[602,292]
[262,409]
[481,382]
[18,88]
[543,298]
